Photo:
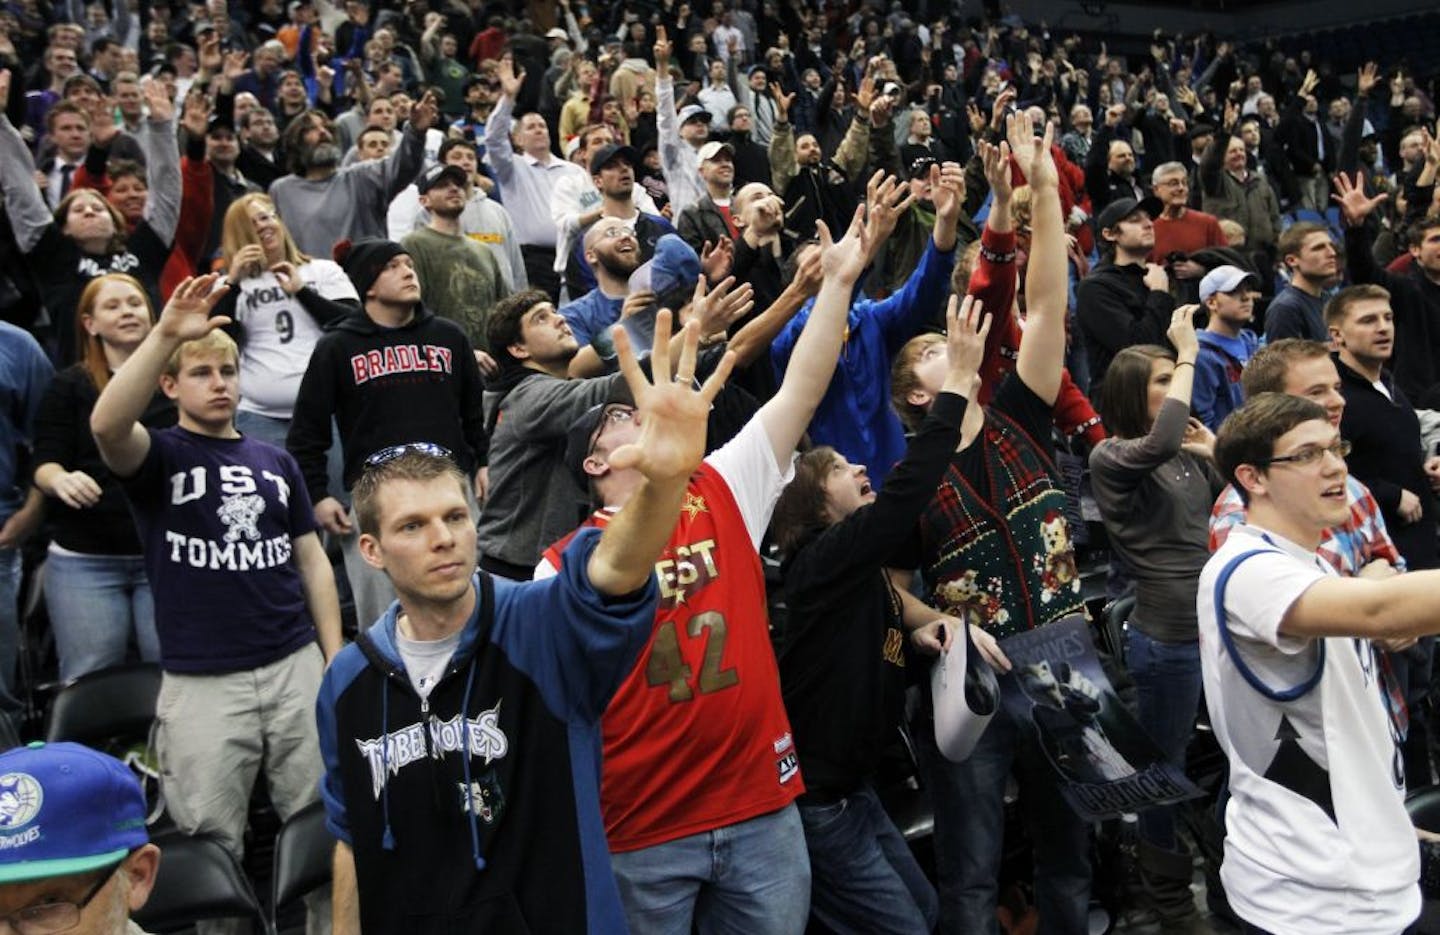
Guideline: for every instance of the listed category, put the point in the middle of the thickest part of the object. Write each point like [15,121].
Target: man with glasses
[389,373]
[76,855]
[1180,230]
[1318,837]
[461,732]
[242,587]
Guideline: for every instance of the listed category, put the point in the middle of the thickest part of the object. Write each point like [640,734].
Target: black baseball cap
[610,151]
[438,173]
[1121,208]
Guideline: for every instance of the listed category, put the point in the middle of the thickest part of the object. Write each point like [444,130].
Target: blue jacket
[478,809]
[855,417]
[1217,375]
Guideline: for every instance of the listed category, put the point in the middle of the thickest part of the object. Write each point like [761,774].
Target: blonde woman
[279,300]
[96,592]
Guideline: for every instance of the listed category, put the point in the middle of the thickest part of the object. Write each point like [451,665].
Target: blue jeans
[9,627]
[752,877]
[865,878]
[95,602]
[969,802]
[1167,690]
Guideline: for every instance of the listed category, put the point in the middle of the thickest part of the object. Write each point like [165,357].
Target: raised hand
[719,308]
[195,115]
[865,94]
[977,119]
[947,190]
[510,80]
[1311,80]
[662,49]
[237,60]
[426,111]
[845,259]
[966,327]
[715,259]
[672,413]
[4,87]
[1181,334]
[782,100]
[1032,153]
[1367,78]
[1352,199]
[997,110]
[103,128]
[810,274]
[996,160]
[157,97]
[886,198]
[208,55]
[187,315]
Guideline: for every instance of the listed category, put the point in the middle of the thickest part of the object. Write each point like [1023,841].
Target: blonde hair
[90,348]
[216,342]
[237,231]
[1234,232]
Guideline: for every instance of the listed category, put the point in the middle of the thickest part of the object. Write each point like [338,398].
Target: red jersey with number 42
[697,737]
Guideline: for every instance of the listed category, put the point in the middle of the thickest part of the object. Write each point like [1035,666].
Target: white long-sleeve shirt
[679,161]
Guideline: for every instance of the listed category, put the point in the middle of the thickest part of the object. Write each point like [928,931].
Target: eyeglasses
[1173,183]
[48,918]
[386,455]
[613,414]
[1313,453]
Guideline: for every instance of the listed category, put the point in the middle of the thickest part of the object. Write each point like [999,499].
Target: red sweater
[1192,231]
[994,282]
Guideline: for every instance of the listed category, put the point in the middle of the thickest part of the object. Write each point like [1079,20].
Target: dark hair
[117,169]
[411,466]
[452,144]
[1125,393]
[295,131]
[503,327]
[800,511]
[1248,434]
[1416,230]
[791,265]
[1265,373]
[1339,306]
[1294,237]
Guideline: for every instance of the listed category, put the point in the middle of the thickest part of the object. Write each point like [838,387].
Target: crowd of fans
[405,230]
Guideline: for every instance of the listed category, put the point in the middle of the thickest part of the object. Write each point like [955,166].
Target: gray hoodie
[533,498]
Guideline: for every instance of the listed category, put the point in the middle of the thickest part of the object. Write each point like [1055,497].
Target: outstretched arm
[673,416]
[162,161]
[115,421]
[1042,350]
[812,364]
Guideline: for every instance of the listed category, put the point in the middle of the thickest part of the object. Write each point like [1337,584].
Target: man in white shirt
[1318,840]
[681,135]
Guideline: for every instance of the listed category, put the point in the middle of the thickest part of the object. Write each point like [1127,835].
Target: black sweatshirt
[842,660]
[1386,456]
[62,436]
[387,386]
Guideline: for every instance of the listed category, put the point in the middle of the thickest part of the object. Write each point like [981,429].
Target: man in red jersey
[700,772]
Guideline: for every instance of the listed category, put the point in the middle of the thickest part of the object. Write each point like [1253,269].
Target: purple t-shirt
[218,518]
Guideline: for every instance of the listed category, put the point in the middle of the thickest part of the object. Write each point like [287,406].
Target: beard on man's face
[322,156]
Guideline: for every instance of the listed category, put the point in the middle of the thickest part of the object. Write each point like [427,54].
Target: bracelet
[1184,363]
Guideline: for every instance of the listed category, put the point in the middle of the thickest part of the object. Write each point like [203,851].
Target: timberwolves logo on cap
[20,799]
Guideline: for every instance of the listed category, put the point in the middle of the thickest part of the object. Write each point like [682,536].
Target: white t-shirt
[1318,840]
[747,465]
[425,660]
[280,335]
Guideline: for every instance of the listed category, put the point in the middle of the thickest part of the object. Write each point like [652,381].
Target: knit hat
[66,809]
[363,260]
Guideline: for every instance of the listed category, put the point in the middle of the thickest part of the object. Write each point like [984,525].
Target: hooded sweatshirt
[387,386]
[1217,374]
[478,809]
[533,498]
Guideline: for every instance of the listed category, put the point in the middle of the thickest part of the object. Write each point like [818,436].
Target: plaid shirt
[1348,548]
